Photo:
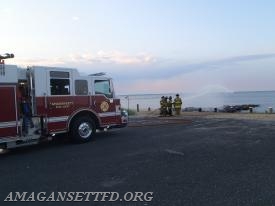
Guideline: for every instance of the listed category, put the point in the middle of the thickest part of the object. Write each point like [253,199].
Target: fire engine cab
[38,102]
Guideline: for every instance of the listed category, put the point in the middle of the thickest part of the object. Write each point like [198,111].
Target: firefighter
[169,106]
[26,114]
[165,104]
[177,104]
[162,105]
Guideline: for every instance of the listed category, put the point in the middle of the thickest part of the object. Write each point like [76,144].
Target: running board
[13,142]
[21,143]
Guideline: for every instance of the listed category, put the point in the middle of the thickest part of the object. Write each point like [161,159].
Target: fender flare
[89,112]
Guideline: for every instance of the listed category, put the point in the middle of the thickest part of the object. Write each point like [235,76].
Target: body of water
[206,101]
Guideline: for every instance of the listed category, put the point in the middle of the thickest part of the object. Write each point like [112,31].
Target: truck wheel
[82,129]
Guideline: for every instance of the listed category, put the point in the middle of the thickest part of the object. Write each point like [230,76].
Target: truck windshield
[103,87]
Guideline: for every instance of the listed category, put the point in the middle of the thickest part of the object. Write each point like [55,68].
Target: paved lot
[199,162]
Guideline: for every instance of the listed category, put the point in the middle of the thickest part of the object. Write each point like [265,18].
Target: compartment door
[8,111]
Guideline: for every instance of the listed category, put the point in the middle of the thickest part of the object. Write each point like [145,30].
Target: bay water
[207,101]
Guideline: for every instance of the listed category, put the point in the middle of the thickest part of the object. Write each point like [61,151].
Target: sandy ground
[213,115]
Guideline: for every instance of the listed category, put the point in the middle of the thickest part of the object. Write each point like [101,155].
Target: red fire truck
[57,100]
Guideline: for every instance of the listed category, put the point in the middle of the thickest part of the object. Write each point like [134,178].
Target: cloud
[39,61]
[113,57]
[100,57]
[215,64]
[247,58]
[141,66]
[227,72]
[144,73]
[75,18]
[163,69]
[146,60]
[179,69]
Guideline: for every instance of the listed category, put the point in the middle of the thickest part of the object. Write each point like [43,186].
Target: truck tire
[82,129]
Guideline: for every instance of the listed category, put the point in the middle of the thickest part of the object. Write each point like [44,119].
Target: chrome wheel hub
[84,130]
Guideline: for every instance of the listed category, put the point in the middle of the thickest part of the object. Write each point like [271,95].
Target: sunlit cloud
[221,75]
[142,73]
[101,57]
[115,57]
[140,59]
[75,18]
[39,62]
[179,69]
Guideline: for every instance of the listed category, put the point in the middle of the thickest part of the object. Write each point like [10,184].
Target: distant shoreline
[212,115]
[207,101]
[165,93]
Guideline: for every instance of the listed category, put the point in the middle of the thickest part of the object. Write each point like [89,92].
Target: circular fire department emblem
[104,106]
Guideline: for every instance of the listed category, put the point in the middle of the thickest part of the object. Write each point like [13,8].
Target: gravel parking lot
[196,161]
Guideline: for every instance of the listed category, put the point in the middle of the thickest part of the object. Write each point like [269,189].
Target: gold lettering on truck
[61,105]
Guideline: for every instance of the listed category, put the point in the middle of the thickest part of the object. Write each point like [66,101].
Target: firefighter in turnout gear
[163,106]
[177,104]
[161,102]
[169,106]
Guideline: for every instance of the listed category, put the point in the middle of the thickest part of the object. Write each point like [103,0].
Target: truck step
[13,142]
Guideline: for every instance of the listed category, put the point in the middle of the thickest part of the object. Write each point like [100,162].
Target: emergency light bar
[98,74]
[6,56]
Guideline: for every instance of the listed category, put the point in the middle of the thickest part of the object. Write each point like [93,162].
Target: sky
[148,46]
